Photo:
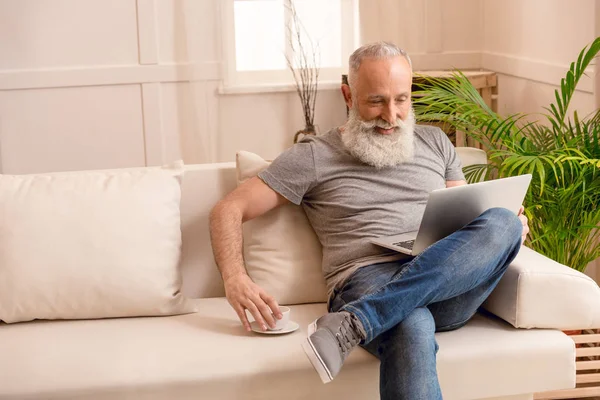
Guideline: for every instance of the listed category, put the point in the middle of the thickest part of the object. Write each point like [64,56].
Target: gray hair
[377,50]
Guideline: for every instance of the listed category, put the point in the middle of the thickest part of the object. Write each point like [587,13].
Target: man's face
[382,91]
[380,126]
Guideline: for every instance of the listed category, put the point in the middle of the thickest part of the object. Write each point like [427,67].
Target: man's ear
[347,95]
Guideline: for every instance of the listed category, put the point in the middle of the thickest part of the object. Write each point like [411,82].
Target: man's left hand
[523,219]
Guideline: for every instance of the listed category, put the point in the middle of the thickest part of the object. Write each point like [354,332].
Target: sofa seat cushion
[208,355]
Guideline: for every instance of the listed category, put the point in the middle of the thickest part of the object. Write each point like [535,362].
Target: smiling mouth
[385,131]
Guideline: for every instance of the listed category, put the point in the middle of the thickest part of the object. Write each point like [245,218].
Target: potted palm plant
[561,151]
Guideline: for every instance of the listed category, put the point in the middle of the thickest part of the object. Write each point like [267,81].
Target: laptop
[450,209]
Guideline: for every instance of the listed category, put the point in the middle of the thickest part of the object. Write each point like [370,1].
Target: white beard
[365,143]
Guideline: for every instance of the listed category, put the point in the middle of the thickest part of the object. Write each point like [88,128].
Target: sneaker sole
[314,357]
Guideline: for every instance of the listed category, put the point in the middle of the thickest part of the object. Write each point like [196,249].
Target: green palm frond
[569,83]
[478,172]
[562,152]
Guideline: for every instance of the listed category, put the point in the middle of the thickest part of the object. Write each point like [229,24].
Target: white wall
[90,84]
[113,83]
[531,44]
[437,33]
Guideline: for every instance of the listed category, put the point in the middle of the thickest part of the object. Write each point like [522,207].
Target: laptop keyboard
[407,244]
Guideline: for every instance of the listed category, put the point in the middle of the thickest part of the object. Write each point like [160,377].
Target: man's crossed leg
[386,307]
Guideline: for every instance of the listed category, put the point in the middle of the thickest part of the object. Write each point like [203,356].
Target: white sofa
[207,354]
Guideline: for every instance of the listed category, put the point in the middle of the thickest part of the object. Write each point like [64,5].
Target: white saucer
[291,327]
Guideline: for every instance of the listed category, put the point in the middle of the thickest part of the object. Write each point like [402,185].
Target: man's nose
[390,113]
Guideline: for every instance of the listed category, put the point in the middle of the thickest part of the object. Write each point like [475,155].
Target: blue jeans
[402,304]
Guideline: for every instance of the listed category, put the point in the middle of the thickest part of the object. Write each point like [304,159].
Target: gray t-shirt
[348,202]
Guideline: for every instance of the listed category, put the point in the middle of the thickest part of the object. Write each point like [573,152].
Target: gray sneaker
[330,339]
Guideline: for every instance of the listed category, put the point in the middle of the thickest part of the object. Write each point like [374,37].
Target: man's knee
[420,319]
[418,328]
[413,338]
[502,227]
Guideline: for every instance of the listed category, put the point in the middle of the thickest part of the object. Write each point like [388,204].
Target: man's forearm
[226,239]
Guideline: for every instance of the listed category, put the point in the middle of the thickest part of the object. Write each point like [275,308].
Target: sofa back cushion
[203,186]
[93,244]
[281,251]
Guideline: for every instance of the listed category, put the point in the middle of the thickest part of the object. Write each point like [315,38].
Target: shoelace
[347,336]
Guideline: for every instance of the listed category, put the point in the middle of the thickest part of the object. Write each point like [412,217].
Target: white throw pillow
[92,244]
[281,250]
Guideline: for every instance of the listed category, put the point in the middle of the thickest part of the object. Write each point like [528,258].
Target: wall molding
[446,60]
[154,140]
[205,139]
[108,75]
[182,72]
[147,26]
[534,70]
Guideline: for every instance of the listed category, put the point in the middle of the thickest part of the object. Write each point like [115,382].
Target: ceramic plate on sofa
[291,327]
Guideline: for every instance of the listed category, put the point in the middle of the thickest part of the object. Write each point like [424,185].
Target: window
[257,38]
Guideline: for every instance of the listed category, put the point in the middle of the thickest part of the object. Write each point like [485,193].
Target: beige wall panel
[188,30]
[189,115]
[437,34]
[211,118]
[391,20]
[413,22]
[462,24]
[434,26]
[400,21]
[331,110]
[256,122]
[420,26]
[522,95]
[50,130]
[266,123]
[369,29]
[523,43]
[176,115]
[550,30]
[57,33]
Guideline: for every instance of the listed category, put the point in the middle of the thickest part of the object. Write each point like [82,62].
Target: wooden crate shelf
[486,83]
[587,364]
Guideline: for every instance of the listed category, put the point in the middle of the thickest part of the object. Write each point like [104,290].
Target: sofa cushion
[92,244]
[208,355]
[281,250]
[201,277]
[537,292]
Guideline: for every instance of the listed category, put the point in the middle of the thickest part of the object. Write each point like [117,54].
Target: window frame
[234,80]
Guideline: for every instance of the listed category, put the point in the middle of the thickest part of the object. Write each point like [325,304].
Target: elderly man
[368,178]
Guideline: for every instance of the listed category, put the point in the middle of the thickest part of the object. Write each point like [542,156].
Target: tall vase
[308,130]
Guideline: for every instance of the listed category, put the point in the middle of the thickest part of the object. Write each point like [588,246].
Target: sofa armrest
[537,292]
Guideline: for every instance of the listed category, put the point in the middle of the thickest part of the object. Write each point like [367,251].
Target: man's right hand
[243,294]
[251,199]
